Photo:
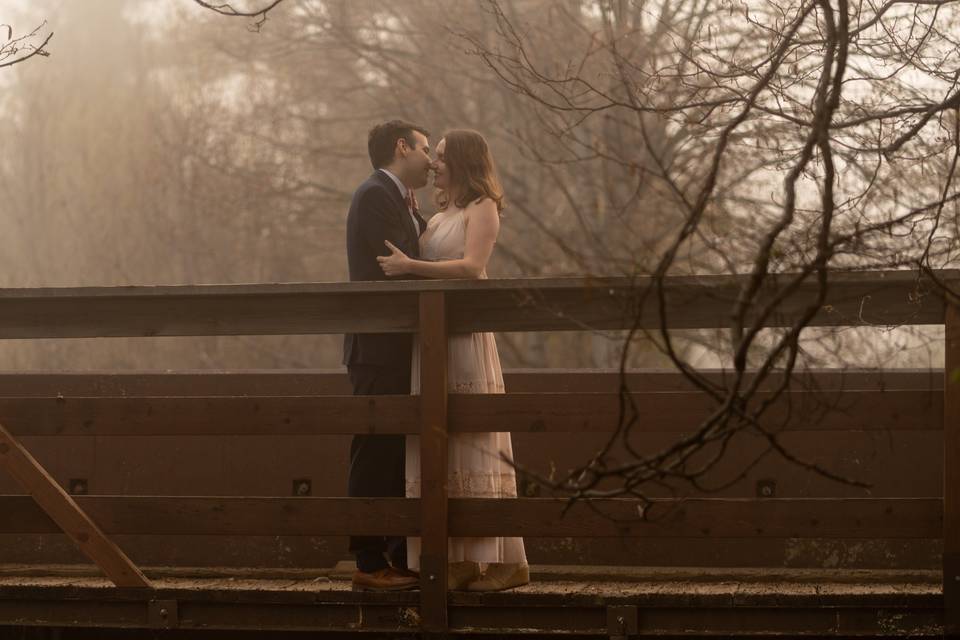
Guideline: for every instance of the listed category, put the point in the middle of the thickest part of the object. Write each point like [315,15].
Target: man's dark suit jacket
[377,213]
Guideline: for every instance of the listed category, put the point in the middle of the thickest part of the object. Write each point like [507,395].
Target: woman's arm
[483,224]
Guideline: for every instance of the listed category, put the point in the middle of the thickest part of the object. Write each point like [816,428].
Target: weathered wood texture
[951,474]
[854,299]
[541,517]
[60,508]
[673,603]
[433,461]
[659,411]
[432,309]
[896,462]
[325,382]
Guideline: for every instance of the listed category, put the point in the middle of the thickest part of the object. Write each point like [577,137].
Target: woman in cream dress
[457,243]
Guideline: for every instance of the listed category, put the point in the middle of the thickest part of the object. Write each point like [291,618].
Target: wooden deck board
[885,603]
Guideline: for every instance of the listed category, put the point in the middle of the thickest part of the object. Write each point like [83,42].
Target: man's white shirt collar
[403,194]
[400,185]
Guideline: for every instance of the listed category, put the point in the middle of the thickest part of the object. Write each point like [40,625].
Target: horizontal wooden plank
[877,299]
[861,279]
[565,601]
[132,313]
[303,382]
[702,518]
[258,382]
[214,415]
[534,517]
[662,411]
[692,603]
[605,380]
[632,574]
[684,411]
[530,304]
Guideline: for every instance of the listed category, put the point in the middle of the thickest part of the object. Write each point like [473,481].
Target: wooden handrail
[526,304]
[433,309]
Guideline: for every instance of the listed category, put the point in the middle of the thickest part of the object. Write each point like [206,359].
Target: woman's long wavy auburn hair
[473,175]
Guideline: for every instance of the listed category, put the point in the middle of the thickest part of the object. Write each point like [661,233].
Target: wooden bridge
[907,598]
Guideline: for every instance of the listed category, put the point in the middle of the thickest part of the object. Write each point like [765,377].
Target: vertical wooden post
[433,462]
[951,474]
[62,509]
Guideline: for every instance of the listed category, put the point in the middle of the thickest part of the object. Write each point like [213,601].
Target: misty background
[160,143]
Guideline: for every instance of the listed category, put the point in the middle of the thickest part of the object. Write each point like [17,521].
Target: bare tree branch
[20,49]
[226,9]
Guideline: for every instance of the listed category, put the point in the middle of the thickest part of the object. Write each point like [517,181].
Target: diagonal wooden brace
[64,511]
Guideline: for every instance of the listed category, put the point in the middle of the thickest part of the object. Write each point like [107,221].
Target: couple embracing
[388,239]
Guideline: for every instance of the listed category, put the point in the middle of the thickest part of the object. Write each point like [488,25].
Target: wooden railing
[435,309]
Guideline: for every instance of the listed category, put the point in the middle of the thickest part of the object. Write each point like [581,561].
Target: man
[383,208]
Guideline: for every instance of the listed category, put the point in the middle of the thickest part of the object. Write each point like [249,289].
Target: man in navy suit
[383,208]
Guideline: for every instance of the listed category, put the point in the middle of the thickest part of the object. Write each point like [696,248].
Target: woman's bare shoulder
[482,206]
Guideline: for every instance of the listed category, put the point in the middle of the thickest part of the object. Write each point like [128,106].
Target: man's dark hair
[383,140]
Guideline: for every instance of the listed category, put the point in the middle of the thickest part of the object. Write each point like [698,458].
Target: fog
[160,143]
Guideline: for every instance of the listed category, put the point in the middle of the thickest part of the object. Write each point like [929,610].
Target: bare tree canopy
[785,140]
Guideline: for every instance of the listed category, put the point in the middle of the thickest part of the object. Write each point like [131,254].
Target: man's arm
[483,225]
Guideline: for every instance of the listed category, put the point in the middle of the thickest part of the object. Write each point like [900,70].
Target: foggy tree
[829,137]
[634,138]
[786,140]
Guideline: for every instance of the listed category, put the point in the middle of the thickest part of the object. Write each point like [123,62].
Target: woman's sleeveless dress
[475,466]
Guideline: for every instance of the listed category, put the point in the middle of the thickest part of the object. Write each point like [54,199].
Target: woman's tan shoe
[460,574]
[500,576]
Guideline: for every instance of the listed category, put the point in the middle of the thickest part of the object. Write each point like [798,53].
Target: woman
[457,243]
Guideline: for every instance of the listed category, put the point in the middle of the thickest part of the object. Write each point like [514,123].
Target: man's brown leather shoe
[388,579]
[407,572]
